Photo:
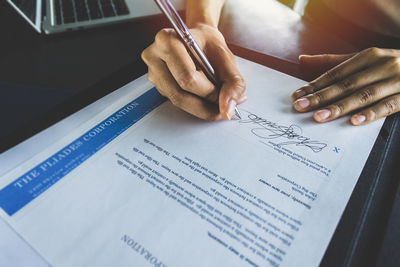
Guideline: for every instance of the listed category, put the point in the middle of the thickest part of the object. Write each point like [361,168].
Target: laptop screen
[31,10]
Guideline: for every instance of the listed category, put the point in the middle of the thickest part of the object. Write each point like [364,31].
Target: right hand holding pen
[174,73]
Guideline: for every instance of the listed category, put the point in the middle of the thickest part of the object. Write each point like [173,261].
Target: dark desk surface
[45,78]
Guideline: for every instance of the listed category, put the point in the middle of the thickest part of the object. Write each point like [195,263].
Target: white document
[171,190]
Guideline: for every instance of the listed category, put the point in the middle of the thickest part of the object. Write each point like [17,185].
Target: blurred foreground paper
[145,184]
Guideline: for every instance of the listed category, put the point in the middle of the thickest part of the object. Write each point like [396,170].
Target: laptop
[53,16]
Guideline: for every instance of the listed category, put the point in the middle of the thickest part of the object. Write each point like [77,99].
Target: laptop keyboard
[70,11]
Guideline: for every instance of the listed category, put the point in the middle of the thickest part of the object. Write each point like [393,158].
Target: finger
[355,63]
[173,52]
[360,99]
[346,86]
[168,87]
[233,84]
[386,107]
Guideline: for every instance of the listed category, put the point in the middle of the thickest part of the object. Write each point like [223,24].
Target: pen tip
[237,114]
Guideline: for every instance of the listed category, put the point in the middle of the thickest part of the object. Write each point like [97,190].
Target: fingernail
[242,100]
[358,119]
[231,109]
[298,93]
[302,103]
[322,114]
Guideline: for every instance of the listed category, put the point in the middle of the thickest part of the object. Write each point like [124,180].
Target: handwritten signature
[270,130]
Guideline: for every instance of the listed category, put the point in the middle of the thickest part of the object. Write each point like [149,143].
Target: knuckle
[219,49]
[187,80]
[161,93]
[397,64]
[318,97]
[331,75]
[240,83]
[345,84]
[176,99]
[163,38]
[341,107]
[370,114]
[392,105]
[146,56]
[367,95]
[150,78]
[223,50]
[312,87]
[162,35]
[374,51]
[338,109]
[394,62]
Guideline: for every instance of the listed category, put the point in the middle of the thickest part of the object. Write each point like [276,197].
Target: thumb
[232,83]
[326,61]
[312,67]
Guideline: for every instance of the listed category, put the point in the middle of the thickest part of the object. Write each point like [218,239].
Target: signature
[270,130]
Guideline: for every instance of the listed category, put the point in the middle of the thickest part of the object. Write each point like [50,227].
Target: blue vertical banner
[36,181]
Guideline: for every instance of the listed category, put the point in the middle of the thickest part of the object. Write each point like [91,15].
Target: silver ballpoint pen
[190,43]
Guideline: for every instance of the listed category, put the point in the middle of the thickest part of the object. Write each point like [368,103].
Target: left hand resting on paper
[367,83]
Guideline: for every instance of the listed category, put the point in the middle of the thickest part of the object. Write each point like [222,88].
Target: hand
[367,82]
[173,72]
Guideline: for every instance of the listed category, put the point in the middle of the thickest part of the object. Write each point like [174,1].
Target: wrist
[198,22]
[203,12]
[201,25]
